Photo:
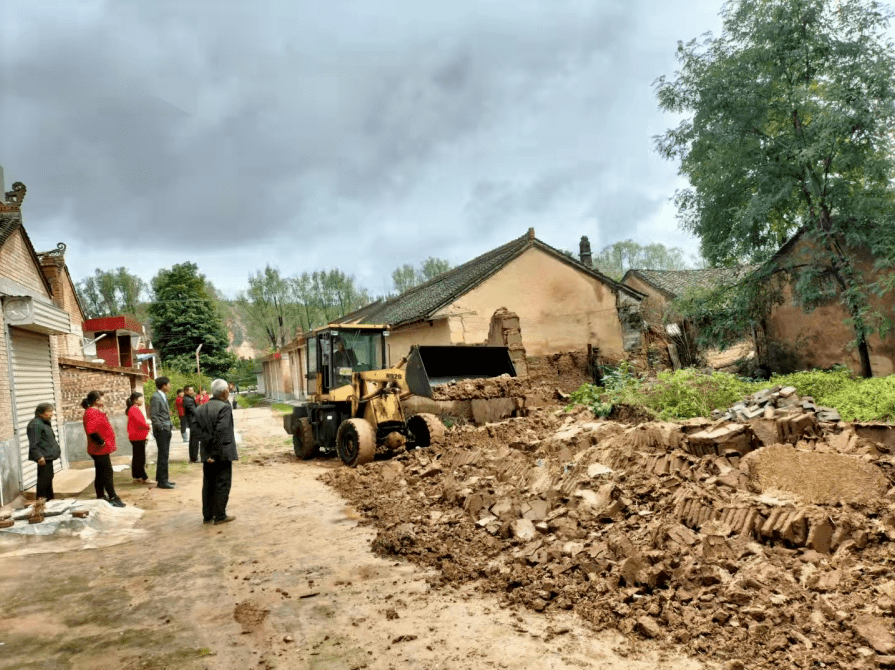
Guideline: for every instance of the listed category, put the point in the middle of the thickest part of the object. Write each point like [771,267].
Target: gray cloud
[308,134]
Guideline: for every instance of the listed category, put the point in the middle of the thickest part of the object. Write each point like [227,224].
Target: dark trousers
[138,460]
[104,484]
[194,443]
[163,440]
[216,479]
[45,480]
[183,427]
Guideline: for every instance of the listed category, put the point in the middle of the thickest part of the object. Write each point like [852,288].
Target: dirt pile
[669,531]
[492,387]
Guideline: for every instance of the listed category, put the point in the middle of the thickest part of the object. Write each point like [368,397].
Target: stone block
[523,529]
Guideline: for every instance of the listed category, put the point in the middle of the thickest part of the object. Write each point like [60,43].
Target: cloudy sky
[356,134]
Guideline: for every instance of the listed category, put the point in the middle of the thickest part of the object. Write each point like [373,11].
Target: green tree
[183,316]
[618,258]
[111,293]
[790,125]
[407,276]
[272,308]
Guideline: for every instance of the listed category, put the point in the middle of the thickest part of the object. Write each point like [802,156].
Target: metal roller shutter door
[32,382]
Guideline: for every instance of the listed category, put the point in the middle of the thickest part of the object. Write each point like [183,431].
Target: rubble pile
[755,544]
[772,402]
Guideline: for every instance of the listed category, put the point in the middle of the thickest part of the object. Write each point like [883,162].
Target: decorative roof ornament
[16,195]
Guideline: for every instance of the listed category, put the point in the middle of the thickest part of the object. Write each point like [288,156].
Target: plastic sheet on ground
[104,526]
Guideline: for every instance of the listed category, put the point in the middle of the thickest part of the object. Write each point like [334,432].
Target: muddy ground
[292,583]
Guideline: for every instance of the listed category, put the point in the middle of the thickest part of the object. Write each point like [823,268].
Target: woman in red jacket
[100,443]
[137,430]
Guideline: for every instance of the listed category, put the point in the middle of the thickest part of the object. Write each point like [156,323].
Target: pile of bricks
[775,402]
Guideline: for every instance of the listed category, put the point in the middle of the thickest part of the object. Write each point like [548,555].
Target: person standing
[203,397]
[43,448]
[160,417]
[137,432]
[100,445]
[214,422]
[178,403]
[189,417]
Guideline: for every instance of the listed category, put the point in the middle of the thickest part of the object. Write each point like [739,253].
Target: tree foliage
[276,308]
[618,258]
[407,276]
[111,293]
[790,126]
[273,311]
[183,316]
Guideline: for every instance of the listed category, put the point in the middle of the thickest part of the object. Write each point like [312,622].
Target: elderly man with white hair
[214,423]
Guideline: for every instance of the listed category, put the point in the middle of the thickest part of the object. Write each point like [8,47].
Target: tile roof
[677,282]
[423,301]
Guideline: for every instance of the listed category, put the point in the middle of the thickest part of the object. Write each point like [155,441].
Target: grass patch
[688,393]
[282,407]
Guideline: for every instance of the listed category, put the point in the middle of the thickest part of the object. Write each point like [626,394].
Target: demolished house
[562,304]
[661,288]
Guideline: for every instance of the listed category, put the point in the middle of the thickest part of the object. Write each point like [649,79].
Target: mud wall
[652,308]
[437,332]
[798,340]
[560,308]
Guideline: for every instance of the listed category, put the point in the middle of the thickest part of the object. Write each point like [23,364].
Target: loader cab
[336,352]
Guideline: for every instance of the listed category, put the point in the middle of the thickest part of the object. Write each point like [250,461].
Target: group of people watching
[212,437]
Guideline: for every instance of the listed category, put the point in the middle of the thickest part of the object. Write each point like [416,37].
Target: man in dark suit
[189,418]
[214,423]
[43,448]
[160,417]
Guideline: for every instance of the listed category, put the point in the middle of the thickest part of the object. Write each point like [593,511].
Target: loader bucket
[429,366]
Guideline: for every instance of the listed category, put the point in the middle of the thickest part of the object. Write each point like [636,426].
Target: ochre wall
[653,306]
[400,340]
[560,309]
[799,340]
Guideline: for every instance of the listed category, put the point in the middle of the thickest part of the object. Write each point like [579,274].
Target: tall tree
[272,308]
[407,276]
[111,293]
[183,317]
[618,258]
[791,126]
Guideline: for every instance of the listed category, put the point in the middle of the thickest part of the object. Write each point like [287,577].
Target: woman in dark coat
[43,448]
[100,444]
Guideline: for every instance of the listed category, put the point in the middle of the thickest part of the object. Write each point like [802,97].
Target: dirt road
[290,584]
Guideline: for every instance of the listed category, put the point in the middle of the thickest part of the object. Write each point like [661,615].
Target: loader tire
[427,429]
[356,442]
[303,440]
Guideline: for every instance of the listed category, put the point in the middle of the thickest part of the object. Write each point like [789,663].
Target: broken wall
[799,340]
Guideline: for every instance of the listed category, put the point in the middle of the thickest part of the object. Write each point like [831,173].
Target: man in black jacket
[214,424]
[43,448]
[189,418]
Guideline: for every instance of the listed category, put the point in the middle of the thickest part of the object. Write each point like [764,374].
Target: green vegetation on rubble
[688,393]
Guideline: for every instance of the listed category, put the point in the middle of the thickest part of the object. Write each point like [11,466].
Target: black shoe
[207,520]
[116,502]
[226,519]
[165,485]
[172,483]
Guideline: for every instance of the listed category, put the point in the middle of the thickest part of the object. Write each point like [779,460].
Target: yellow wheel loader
[354,397]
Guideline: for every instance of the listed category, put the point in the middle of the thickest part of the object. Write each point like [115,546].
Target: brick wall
[18,263]
[56,272]
[77,382]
